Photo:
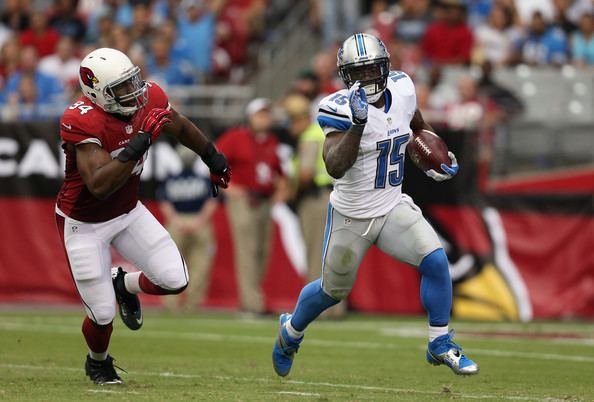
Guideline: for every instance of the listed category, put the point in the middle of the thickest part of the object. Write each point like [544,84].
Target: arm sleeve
[334,113]
[75,132]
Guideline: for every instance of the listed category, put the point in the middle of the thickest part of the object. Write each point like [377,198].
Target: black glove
[220,172]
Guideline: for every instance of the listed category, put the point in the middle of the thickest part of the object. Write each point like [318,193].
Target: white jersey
[372,186]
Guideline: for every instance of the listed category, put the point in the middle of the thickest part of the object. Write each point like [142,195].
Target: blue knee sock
[312,301]
[436,287]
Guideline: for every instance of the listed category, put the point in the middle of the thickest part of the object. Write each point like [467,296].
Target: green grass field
[219,357]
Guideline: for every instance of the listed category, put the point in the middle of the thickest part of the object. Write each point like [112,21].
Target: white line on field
[414,332]
[111,391]
[532,355]
[263,340]
[299,393]
[360,387]
[396,323]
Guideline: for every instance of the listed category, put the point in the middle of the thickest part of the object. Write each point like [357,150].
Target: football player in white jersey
[367,128]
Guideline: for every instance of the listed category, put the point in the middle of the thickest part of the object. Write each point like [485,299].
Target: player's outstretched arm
[341,148]
[187,133]
[102,174]
[192,137]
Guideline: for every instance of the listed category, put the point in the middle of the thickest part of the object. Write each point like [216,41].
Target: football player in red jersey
[106,135]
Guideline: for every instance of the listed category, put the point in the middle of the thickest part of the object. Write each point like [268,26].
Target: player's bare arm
[192,137]
[102,175]
[418,123]
[186,133]
[341,150]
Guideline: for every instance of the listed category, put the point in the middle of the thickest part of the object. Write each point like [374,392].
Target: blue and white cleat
[444,351]
[285,348]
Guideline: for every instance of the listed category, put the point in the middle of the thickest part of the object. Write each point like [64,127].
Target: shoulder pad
[156,96]
[334,113]
[401,82]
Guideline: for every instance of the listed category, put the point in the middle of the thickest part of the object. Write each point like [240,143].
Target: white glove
[450,171]
[358,104]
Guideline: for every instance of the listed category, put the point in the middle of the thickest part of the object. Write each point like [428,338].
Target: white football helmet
[110,80]
[364,58]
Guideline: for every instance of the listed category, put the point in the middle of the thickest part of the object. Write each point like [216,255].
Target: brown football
[427,150]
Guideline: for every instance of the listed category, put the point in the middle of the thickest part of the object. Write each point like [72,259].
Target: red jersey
[447,44]
[45,43]
[254,161]
[84,122]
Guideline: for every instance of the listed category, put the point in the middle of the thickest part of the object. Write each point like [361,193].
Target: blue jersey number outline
[390,150]
[397,75]
[340,99]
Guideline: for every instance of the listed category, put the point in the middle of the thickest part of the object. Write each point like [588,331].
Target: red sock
[150,288]
[97,336]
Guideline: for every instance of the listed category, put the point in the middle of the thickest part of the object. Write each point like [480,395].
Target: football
[428,151]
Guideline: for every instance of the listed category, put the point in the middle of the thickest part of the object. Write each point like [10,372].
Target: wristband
[214,160]
[136,147]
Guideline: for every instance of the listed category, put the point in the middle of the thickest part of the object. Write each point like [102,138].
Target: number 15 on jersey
[391,154]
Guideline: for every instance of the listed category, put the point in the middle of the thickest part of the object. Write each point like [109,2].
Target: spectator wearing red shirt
[448,40]
[258,182]
[43,38]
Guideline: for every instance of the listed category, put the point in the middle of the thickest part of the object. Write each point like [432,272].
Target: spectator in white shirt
[62,65]
[494,40]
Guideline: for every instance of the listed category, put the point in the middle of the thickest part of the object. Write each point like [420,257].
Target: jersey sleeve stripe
[335,115]
[75,137]
[327,121]
[90,141]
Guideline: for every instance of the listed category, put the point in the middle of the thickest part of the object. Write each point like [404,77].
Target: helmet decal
[88,77]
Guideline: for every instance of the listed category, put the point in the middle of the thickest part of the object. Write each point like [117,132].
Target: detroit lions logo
[88,77]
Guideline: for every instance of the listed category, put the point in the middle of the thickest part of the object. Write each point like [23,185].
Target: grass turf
[219,357]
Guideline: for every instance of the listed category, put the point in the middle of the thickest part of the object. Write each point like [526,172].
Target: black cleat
[128,303]
[102,372]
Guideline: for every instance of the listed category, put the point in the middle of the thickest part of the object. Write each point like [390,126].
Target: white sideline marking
[414,332]
[367,325]
[111,391]
[299,393]
[452,394]
[215,337]
[394,328]
[530,355]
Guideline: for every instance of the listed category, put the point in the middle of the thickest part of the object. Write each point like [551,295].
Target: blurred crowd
[187,42]
[424,37]
[503,32]
[176,42]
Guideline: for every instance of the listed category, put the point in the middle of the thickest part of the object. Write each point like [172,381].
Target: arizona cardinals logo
[88,77]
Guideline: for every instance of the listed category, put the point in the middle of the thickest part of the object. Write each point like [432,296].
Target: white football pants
[138,237]
[402,233]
